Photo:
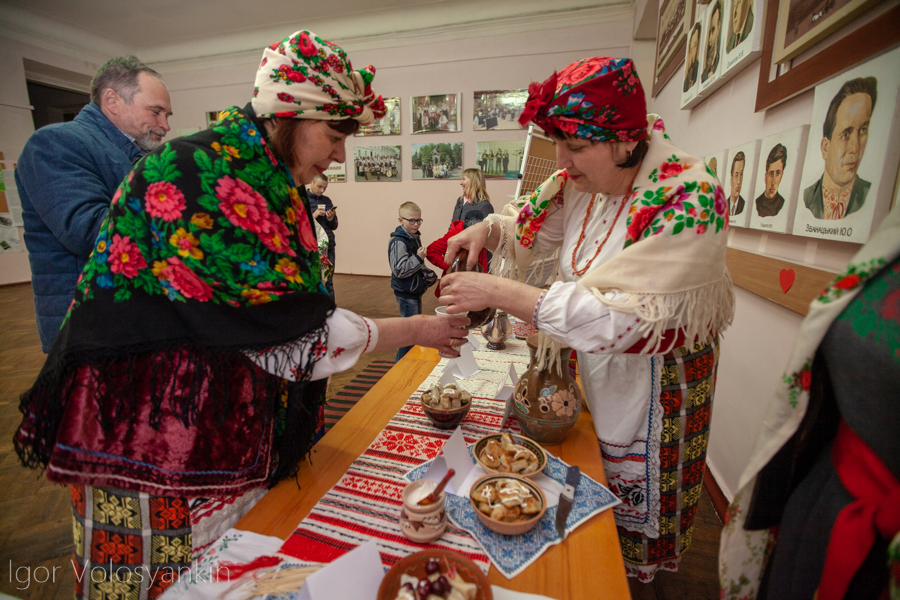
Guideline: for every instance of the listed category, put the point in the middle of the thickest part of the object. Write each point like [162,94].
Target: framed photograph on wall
[711,63]
[387,125]
[336,172]
[743,33]
[670,29]
[500,160]
[802,23]
[672,67]
[739,182]
[778,180]
[376,163]
[437,161]
[498,109]
[716,162]
[438,113]
[690,86]
[852,153]
[876,35]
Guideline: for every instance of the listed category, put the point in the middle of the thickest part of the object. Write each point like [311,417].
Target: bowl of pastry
[508,504]
[435,573]
[446,405]
[510,453]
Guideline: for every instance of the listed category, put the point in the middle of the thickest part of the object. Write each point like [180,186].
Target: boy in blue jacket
[409,275]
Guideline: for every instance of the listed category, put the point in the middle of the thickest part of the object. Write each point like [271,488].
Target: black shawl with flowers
[207,256]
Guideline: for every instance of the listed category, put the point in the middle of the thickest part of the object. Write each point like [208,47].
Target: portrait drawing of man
[741,23]
[692,62]
[840,191]
[713,41]
[770,202]
[735,200]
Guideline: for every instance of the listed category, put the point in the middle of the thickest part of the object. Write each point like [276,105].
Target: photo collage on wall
[492,110]
[723,38]
[833,179]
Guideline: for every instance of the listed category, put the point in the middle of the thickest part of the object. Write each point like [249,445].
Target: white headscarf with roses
[305,77]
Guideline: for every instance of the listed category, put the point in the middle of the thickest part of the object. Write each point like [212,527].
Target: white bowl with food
[511,454]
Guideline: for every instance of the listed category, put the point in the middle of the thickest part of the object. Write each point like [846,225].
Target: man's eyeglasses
[413,221]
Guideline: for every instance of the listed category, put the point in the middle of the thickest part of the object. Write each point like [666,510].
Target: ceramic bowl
[503,527]
[446,419]
[414,565]
[518,439]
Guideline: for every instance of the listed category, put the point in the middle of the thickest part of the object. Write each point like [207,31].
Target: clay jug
[547,403]
[477,318]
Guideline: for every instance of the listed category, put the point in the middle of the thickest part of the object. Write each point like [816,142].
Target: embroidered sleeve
[571,314]
[349,335]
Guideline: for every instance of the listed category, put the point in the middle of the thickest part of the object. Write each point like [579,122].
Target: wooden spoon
[433,496]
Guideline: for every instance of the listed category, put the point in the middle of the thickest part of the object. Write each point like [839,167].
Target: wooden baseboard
[719,501]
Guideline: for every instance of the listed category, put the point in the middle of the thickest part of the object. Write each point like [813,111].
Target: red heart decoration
[786,277]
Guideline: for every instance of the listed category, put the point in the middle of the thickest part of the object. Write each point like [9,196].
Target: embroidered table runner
[512,554]
[365,503]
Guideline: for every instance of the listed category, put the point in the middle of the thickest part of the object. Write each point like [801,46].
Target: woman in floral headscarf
[642,296]
[189,374]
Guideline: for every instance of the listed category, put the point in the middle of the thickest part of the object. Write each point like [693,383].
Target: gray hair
[121,74]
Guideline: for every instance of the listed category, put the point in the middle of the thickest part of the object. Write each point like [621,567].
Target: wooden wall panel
[762,275]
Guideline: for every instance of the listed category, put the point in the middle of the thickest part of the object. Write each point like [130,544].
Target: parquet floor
[35,515]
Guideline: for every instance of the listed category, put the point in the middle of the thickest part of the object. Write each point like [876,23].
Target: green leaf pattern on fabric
[210,218]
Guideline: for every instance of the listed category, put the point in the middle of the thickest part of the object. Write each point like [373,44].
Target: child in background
[409,275]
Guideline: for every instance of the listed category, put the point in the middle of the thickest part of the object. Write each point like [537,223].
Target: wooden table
[588,564]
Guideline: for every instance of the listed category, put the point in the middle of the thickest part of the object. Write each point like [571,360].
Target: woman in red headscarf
[642,291]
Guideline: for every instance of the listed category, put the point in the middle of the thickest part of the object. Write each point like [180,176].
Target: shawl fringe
[699,313]
[180,375]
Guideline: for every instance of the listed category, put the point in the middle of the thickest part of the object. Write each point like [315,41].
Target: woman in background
[475,203]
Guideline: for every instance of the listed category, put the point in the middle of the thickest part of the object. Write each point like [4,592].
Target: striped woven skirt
[686,396]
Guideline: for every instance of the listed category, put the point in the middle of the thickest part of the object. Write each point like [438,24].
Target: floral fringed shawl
[743,554]
[207,255]
[672,266]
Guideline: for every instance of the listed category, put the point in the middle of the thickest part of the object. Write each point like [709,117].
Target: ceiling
[168,30]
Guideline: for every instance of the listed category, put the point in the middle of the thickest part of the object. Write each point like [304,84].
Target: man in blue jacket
[68,173]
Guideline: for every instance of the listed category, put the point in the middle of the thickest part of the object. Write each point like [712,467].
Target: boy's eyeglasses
[413,221]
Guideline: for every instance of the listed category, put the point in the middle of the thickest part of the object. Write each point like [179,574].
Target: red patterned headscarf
[305,77]
[598,98]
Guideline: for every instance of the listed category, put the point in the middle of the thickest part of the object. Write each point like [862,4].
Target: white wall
[756,348]
[368,210]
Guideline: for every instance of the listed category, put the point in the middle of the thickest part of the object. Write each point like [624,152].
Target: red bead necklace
[587,217]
